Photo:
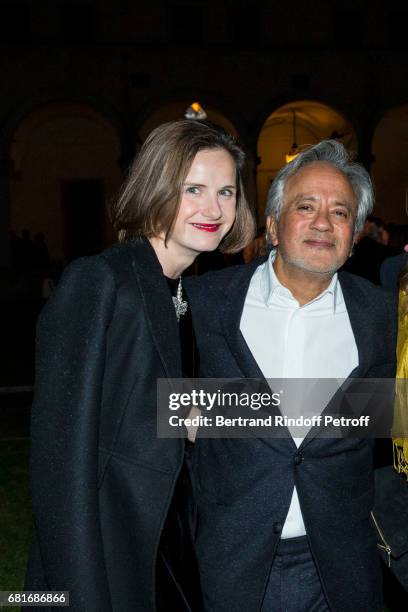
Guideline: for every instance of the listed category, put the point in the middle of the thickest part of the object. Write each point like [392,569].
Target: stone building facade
[83,82]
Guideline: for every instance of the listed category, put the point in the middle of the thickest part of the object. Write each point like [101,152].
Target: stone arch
[171,111]
[314,122]
[389,168]
[61,148]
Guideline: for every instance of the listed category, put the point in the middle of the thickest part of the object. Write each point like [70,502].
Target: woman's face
[207,206]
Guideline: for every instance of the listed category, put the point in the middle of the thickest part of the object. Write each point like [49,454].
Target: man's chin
[322,269]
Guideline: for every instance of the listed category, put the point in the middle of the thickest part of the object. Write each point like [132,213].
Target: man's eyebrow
[346,204]
[305,196]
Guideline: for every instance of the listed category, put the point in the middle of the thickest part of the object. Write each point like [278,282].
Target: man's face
[315,230]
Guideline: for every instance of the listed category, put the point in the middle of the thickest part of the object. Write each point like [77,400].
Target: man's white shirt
[292,341]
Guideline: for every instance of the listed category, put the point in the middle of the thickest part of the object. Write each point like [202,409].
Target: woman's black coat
[102,481]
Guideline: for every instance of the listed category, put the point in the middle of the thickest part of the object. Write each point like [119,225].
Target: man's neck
[304,285]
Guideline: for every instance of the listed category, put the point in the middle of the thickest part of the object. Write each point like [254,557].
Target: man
[283,524]
[370,251]
[391,269]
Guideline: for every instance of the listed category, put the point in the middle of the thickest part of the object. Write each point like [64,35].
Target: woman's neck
[173,263]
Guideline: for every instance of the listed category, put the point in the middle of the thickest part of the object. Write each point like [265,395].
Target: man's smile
[319,244]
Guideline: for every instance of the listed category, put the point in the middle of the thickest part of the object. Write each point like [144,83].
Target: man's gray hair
[334,153]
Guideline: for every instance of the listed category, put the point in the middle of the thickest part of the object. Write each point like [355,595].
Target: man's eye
[341,213]
[306,207]
[192,189]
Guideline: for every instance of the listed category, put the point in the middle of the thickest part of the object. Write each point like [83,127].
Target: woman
[390,513]
[102,482]
[400,428]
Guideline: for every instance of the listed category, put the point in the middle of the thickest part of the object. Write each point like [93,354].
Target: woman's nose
[212,208]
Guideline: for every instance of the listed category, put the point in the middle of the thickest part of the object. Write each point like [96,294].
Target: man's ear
[272,229]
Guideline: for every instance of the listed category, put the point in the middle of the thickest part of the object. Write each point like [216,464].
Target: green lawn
[15,514]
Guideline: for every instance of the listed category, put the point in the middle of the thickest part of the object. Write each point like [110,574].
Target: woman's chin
[207,245]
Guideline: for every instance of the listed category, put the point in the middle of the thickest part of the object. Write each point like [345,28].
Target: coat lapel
[159,310]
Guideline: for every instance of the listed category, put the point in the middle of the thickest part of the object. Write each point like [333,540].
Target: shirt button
[298,458]
[277,527]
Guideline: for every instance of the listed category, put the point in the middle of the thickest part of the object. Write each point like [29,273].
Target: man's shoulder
[359,281]
[361,287]
[215,278]
[220,280]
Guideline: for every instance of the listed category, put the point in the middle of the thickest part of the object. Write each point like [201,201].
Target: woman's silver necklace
[180,305]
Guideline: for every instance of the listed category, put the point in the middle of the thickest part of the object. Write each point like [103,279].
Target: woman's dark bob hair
[149,201]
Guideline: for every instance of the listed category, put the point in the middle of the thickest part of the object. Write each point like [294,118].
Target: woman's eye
[192,189]
[226,193]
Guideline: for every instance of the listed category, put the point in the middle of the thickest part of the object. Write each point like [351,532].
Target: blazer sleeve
[70,359]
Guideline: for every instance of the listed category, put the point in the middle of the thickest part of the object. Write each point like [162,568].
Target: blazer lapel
[358,308]
[232,307]
[159,309]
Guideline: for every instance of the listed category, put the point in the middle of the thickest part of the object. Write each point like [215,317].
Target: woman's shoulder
[94,287]
[113,263]
[91,279]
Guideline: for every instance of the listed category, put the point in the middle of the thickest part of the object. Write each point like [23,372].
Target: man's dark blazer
[102,481]
[244,486]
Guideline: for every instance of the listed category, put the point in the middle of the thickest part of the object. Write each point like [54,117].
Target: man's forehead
[315,175]
[315,171]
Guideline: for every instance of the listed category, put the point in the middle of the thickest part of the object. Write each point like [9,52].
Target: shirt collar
[270,284]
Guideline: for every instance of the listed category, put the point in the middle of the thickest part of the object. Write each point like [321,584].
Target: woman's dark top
[186,333]
[176,554]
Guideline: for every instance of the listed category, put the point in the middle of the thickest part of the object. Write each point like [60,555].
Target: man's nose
[212,208]
[322,221]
